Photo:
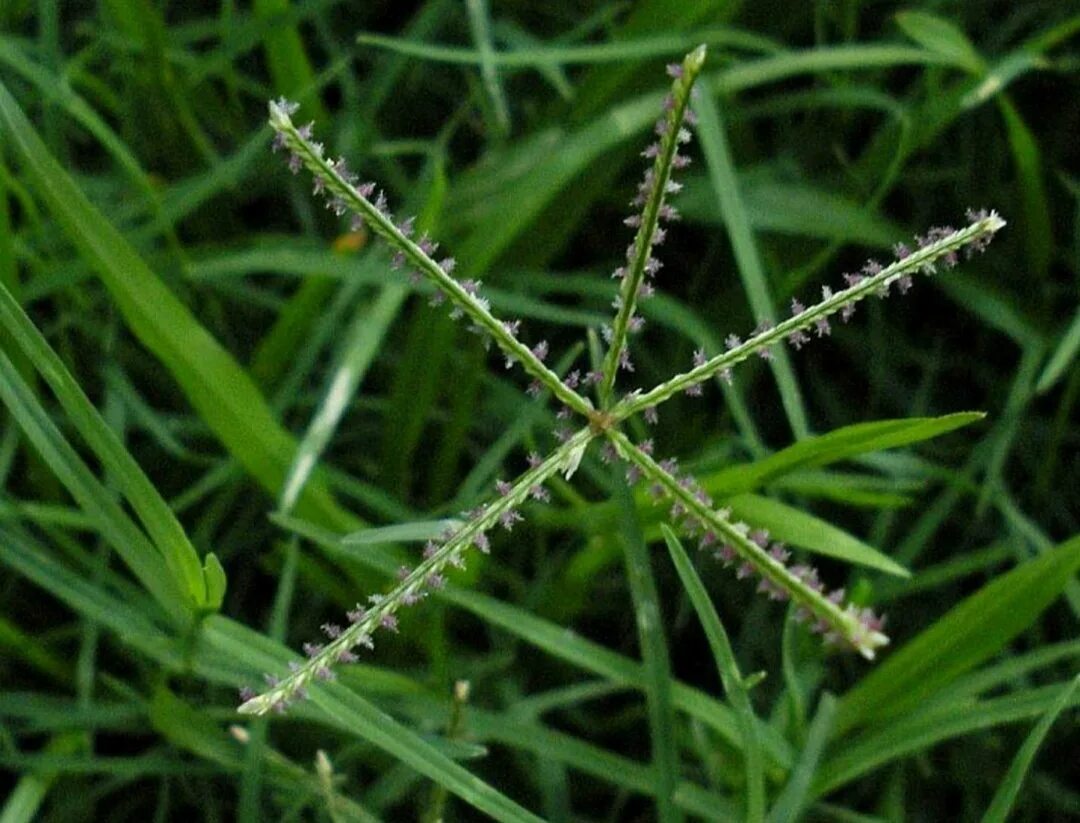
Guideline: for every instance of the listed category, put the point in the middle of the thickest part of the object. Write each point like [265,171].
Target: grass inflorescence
[730,540]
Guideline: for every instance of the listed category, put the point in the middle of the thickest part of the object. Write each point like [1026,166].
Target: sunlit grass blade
[366,334]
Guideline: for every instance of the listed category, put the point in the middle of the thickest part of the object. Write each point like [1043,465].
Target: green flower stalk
[748,551]
[734,543]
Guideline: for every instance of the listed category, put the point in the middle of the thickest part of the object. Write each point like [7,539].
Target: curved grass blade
[204,586]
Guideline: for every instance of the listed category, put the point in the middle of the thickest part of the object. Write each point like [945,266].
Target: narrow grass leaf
[561,643]
[795,796]
[24,802]
[919,731]
[1062,358]
[348,711]
[1005,797]
[1036,230]
[154,513]
[839,444]
[480,25]
[724,179]
[728,667]
[801,208]
[544,55]
[797,528]
[365,336]
[941,37]
[219,389]
[654,653]
[131,544]
[401,533]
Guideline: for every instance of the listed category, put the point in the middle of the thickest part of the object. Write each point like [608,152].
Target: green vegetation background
[172,270]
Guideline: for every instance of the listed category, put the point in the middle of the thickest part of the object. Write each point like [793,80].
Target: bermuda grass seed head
[751,553]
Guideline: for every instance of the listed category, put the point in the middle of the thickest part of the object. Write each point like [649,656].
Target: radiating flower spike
[413,584]
[754,556]
[751,554]
[344,193]
[652,193]
[972,238]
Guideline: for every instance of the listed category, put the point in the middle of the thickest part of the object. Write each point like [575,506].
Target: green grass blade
[970,633]
[540,56]
[795,796]
[773,204]
[1035,222]
[365,335]
[1062,358]
[137,552]
[154,513]
[559,642]
[796,527]
[1005,797]
[941,37]
[907,735]
[219,389]
[287,58]
[654,654]
[728,667]
[349,712]
[23,804]
[839,444]
[480,25]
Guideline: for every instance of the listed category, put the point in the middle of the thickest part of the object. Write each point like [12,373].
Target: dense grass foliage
[227,418]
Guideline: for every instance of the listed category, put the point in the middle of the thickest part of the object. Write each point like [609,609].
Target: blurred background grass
[209,308]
